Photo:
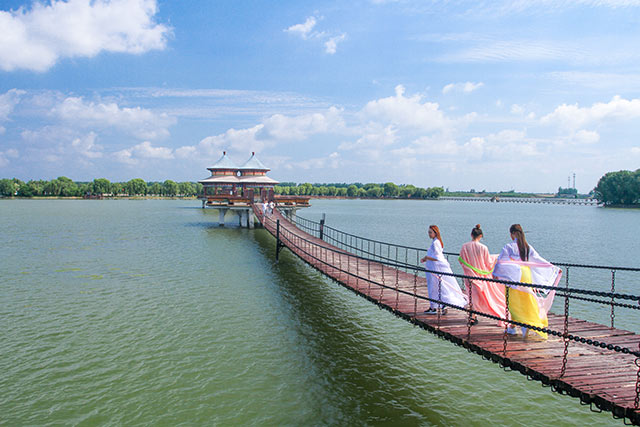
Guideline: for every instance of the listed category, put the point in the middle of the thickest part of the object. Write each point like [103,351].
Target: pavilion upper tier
[225,174]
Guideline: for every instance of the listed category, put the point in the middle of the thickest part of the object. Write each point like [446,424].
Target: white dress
[450,291]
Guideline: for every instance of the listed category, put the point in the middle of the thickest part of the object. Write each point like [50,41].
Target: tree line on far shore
[621,188]
[371,190]
[65,187]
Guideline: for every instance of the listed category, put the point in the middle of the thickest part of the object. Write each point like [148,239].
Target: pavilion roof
[224,162]
[257,179]
[220,179]
[254,164]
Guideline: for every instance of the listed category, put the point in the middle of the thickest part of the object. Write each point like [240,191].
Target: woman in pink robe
[485,297]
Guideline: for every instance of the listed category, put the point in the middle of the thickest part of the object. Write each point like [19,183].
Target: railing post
[278,239]
[613,290]
[566,327]
[322,227]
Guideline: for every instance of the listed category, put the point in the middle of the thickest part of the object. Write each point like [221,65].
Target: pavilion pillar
[251,218]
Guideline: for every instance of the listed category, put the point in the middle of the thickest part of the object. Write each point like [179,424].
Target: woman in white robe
[519,262]
[440,285]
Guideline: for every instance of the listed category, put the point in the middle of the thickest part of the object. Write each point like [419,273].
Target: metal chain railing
[420,270]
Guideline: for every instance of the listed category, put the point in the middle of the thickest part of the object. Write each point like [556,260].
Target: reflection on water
[147,312]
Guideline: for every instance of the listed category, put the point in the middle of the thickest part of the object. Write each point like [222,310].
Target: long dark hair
[477,231]
[437,231]
[523,246]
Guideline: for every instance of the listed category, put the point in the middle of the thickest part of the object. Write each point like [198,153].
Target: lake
[146,312]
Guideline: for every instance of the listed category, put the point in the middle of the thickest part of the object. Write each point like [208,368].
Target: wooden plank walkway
[602,378]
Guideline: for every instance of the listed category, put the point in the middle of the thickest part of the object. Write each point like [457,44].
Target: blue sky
[462,94]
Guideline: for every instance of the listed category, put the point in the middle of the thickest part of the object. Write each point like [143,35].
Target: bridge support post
[251,219]
[221,217]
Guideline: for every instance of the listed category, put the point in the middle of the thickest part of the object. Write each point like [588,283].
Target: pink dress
[486,297]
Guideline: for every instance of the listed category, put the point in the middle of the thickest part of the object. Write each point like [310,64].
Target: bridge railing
[370,271]
[402,254]
[342,262]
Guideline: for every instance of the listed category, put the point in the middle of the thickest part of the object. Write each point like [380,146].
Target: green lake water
[145,312]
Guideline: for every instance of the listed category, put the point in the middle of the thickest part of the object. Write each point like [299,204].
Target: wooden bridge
[543,200]
[598,364]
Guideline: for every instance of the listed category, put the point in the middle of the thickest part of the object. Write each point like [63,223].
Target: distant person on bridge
[440,287]
[272,206]
[519,262]
[485,297]
[265,207]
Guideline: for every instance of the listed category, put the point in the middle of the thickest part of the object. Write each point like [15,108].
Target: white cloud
[466,87]
[143,150]
[635,150]
[575,117]
[331,44]
[8,102]
[406,112]
[517,109]
[373,138]
[306,32]
[35,39]
[142,123]
[428,146]
[332,161]
[6,155]
[586,137]
[238,140]
[87,146]
[300,127]
[303,30]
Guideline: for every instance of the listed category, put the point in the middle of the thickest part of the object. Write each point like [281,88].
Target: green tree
[68,187]
[375,192]
[169,188]
[154,188]
[435,192]
[31,189]
[186,189]
[619,188]
[118,188]
[136,187]
[101,186]
[305,189]
[352,191]
[8,187]
[391,190]
[406,191]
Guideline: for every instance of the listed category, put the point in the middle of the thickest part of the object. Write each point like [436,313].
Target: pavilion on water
[235,188]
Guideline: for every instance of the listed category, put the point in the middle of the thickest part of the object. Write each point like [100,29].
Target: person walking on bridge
[519,262]
[440,287]
[485,297]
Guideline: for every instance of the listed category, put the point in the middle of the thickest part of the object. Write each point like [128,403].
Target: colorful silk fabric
[446,287]
[527,305]
[486,297]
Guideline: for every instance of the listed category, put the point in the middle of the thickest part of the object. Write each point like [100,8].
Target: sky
[484,95]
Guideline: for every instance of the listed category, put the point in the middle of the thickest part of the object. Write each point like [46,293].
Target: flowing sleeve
[437,250]
[506,271]
[489,260]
